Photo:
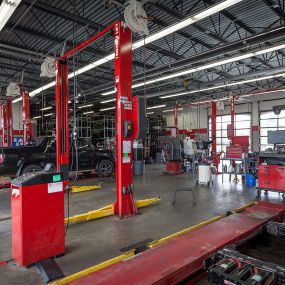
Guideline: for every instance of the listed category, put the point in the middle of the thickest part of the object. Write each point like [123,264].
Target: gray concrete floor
[92,242]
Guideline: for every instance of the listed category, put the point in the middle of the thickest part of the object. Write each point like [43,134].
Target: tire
[31,168]
[105,168]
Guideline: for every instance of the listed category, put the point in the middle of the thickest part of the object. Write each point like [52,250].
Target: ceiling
[39,29]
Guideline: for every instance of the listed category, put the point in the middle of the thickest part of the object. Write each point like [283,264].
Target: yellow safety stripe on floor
[198,226]
[131,253]
[78,189]
[93,269]
[106,211]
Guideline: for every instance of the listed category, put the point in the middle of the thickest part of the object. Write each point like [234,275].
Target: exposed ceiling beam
[63,14]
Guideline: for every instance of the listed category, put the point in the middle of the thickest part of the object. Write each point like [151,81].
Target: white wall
[189,118]
[253,104]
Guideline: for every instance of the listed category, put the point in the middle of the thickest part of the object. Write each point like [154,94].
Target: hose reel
[136,18]
[48,68]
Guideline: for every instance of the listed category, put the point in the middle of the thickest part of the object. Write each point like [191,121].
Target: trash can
[250,180]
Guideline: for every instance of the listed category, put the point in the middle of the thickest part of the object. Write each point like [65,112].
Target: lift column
[3,112]
[124,206]
[61,99]
[9,111]
[27,126]
[232,106]
[176,115]
[214,127]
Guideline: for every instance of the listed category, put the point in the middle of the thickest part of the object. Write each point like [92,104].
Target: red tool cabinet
[271,172]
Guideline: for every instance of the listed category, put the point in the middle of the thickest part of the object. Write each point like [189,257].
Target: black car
[34,156]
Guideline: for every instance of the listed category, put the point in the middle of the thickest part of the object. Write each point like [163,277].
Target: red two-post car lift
[124,206]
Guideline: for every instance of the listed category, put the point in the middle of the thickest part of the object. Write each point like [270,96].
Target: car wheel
[31,168]
[105,168]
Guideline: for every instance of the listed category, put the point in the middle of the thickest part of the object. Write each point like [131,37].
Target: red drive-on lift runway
[183,257]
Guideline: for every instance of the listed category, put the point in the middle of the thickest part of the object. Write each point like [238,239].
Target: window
[242,128]
[83,145]
[270,122]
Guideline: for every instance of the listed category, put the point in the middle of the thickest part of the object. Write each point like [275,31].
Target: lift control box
[37,203]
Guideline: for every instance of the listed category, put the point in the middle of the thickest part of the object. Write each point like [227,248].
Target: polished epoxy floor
[92,242]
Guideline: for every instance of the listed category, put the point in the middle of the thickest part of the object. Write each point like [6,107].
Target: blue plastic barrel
[250,180]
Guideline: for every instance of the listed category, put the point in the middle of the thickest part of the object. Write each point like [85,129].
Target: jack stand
[49,270]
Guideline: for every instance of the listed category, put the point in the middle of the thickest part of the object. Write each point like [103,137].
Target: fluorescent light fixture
[37,117]
[107,109]
[149,113]
[186,22]
[41,89]
[108,101]
[85,106]
[208,66]
[156,107]
[108,93]
[89,112]
[7,8]
[19,99]
[224,85]
[69,101]
[151,38]
[46,108]
[48,115]
[171,110]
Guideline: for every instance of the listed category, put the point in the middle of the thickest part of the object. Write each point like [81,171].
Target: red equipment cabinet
[37,202]
[173,167]
[266,176]
[271,172]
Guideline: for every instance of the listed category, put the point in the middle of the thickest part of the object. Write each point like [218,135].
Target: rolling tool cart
[271,165]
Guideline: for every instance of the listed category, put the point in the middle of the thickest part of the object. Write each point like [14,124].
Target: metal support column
[61,99]
[125,205]
[27,125]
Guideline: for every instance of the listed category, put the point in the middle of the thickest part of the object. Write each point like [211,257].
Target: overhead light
[46,108]
[47,115]
[108,93]
[151,38]
[37,117]
[7,8]
[208,66]
[156,107]
[149,113]
[224,85]
[19,99]
[107,109]
[171,110]
[89,112]
[185,23]
[69,102]
[108,101]
[41,89]
[85,106]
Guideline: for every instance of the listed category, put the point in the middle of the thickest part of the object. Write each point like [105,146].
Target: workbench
[246,166]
